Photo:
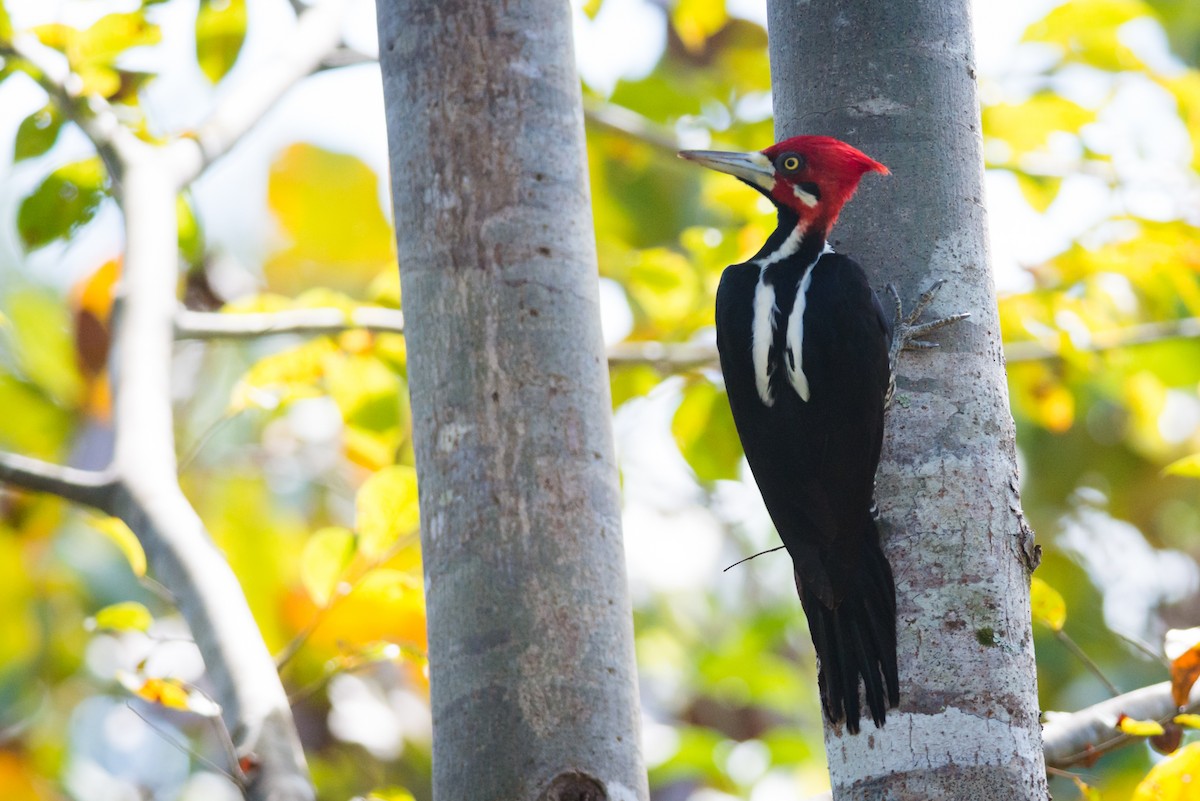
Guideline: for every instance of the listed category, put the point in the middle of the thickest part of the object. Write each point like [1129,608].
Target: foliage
[297,451]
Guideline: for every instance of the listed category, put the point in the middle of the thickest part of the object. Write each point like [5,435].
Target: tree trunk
[531,655]
[896,79]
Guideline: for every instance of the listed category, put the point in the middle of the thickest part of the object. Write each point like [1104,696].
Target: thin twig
[240,782]
[1087,661]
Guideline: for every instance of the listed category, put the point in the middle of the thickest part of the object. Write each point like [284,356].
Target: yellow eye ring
[789,163]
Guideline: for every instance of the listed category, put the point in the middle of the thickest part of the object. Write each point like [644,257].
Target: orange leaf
[1183,649]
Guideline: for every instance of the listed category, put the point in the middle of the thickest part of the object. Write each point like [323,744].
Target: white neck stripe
[762,336]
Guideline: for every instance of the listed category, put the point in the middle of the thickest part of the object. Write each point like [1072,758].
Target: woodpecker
[808,356]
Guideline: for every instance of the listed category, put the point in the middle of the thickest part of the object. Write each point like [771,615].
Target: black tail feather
[856,643]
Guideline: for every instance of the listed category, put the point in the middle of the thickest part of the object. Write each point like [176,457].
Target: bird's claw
[907,332]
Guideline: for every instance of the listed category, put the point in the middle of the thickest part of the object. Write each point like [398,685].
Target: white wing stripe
[795,337]
[762,335]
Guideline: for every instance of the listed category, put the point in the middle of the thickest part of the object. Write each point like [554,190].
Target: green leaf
[31,423]
[6,27]
[632,381]
[326,555]
[191,237]
[44,343]
[705,433]
[1187,466]
[366,391]
[220,32]
[66,200]
[386,509]
[37,133]
[126,616]
[1047,605]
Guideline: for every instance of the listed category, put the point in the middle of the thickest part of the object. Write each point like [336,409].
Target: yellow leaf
[125,616]
[115,529]
[283,377]
[1188,720]
[1173,779]
[171,693]
[1187,466]
[697,20]
[386,509]
[1047,604]
[1139,728]
[390,794]
[334,229]
[1027,127]
[325,557]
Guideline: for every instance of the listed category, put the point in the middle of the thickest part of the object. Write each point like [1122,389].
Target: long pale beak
[754,168]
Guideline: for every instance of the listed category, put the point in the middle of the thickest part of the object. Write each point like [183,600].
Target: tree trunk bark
[896,79]
[534,690]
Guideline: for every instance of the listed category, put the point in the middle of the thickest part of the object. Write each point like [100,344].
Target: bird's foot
[907,331]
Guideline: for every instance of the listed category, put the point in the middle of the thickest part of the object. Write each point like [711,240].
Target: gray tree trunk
[530,641]
[896,79]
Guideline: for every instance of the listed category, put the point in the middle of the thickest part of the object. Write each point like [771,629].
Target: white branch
[209,325]
[318,33]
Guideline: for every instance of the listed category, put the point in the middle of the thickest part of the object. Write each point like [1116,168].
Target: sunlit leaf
[1086,791]
[124,616]
[285,377]
[112,35]
[390,794]
[1187,466]
[1172,779]
[333,228]
[1047,605]
[1039,190]
[1088,31]
[592,7]
[632,381]
[366,391]
[696,20]
[220,31]
[191,237]
[324,560]
[386,509]
[1027,127]
[1182,647]
[1138,728]
[32,423]
[115,529]
[6,27]
[37,133]
[67,199]
[664,288]
[171,693]
[45,350]
[704,431]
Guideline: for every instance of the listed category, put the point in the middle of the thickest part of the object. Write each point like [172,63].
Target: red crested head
[812,176]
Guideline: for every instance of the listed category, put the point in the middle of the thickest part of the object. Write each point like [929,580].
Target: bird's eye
[790,163]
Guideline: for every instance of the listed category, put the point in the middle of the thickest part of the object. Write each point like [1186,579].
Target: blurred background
[1091,124]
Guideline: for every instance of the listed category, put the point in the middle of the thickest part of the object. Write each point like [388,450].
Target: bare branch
[180,552]
[87,487]
[318,32]
[1082,736]
[209,325]
[621,120]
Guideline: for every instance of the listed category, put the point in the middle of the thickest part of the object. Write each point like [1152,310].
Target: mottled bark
[896,79]
[531,657]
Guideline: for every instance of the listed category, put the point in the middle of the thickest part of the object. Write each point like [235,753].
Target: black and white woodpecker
[808,356]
